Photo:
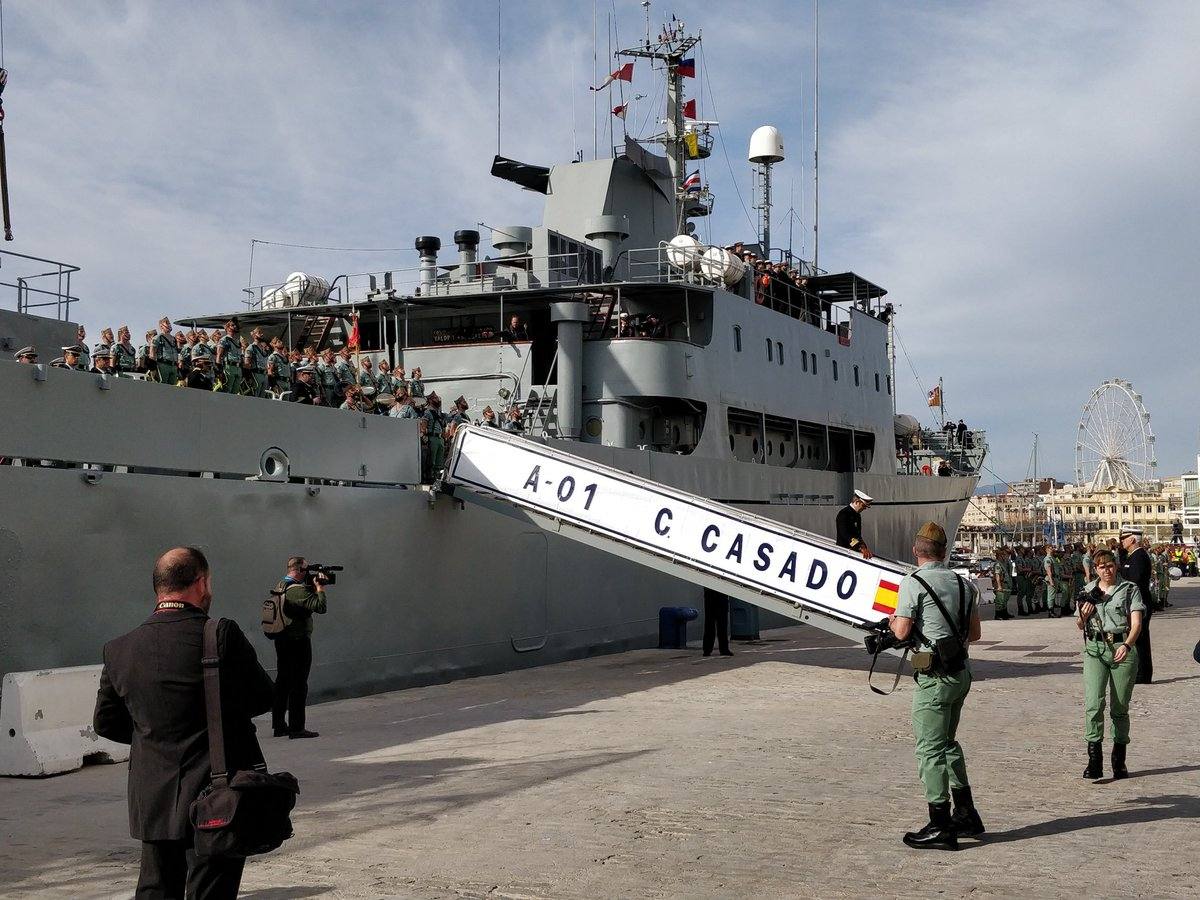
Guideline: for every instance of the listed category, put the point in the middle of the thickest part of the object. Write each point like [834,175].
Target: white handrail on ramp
[786,570]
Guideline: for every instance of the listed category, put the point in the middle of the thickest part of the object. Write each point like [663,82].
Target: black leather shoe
[1095,766]
[1118,762]
[938,834]
[293,735]
[727,653]
[966,817]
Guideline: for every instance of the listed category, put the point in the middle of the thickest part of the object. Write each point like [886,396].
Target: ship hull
[430,592]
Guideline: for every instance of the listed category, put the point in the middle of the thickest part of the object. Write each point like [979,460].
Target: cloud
[1021,176]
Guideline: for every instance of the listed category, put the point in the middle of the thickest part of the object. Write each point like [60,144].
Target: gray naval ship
[636,346]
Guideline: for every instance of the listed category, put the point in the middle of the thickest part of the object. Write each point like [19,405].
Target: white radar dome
[718,264]
[683,252]
[766,145]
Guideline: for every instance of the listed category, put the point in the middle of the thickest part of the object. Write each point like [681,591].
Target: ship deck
[662,774]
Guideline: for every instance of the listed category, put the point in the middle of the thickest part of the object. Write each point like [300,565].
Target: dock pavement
[659,773]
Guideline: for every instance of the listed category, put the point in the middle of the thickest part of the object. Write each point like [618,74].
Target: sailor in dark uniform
[849,524]
[1136,567]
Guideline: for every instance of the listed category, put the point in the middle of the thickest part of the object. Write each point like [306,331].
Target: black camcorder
[880,638]
[324,573]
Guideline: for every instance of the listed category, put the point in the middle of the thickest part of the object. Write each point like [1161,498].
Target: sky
[1022,177]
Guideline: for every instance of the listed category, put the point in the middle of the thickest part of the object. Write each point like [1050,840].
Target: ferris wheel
[1115,445]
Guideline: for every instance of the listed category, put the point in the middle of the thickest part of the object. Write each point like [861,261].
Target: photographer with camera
[303,593]
[1110,615]
[937,612]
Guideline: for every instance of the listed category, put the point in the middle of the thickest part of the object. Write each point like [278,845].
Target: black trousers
[294,656]
[171,870]
[1145,673]
[716,620]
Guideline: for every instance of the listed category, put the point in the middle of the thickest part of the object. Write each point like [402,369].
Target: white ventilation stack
[766,149]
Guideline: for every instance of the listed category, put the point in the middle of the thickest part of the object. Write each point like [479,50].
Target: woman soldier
[1110,620]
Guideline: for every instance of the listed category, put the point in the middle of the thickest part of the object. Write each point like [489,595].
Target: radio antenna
[816,130]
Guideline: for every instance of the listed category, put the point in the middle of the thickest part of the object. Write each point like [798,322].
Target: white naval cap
[863,496]
[1130,531]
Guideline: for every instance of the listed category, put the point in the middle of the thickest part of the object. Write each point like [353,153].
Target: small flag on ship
[687,68]
[625,73]
[691,184]
[935,396]
[689,109]
[352,341]
[885,597]
[692,142]
[619,111]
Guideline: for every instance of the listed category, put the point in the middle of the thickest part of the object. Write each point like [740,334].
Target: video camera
[880,638]
[322,572]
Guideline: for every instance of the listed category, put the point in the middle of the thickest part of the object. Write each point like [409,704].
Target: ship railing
[448,279]
[40,290]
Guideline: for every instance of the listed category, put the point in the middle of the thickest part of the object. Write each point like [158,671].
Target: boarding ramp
[46,722]
[798,574]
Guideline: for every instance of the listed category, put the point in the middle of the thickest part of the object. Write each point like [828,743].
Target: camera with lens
[322,573]
[880,638]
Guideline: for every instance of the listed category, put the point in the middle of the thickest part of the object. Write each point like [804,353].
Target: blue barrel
[672,626]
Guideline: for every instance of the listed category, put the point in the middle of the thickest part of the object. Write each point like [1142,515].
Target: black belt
[1116,637]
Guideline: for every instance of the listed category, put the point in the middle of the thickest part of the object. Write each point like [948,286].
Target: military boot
[1095,766]
[1118,762]
[966,817]
[938,834]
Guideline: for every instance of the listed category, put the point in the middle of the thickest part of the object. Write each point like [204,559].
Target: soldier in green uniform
[385,381]
[185,355]
[84,360]
[124,353]
[1080,573]
[165,353]
[1020,582]
[366,377]
[1110,620]
[344,369]
[303,596]
[1002,583]
[257,355]
[327,375]
[279,368]
[1051,573]
[229,359]
[145,363]
[435,423]
[936,604]
[1064,582]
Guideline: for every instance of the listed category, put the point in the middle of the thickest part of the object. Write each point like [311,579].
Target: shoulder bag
[247,814]
[949,656]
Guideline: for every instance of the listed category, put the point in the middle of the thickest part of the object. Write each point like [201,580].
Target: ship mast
[671,49]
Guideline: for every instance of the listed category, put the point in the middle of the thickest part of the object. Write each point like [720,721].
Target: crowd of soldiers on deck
[785,288]
[1046,579]
[229,363]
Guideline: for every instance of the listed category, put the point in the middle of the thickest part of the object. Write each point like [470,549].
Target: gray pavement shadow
[1175,679]
[1145,773]
[1155,809]
[287,893]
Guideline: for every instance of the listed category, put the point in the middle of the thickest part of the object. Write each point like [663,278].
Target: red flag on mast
[689,109]
[353,341]
[619,111]
[625,73]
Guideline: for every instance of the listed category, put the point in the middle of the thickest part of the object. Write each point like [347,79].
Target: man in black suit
[152,696]
[1136,567]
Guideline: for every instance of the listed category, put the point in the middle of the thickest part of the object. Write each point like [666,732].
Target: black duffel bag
[247,814]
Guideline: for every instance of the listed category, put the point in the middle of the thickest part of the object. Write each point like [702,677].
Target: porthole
[856,382]
[835,372]
[754,448]
[877,382]
[804,360]
[779,351]
[737,338]
[769,350]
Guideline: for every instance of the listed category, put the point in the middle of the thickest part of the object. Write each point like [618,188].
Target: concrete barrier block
[46,722]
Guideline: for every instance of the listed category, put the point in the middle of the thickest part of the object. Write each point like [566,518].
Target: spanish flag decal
[885,597]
